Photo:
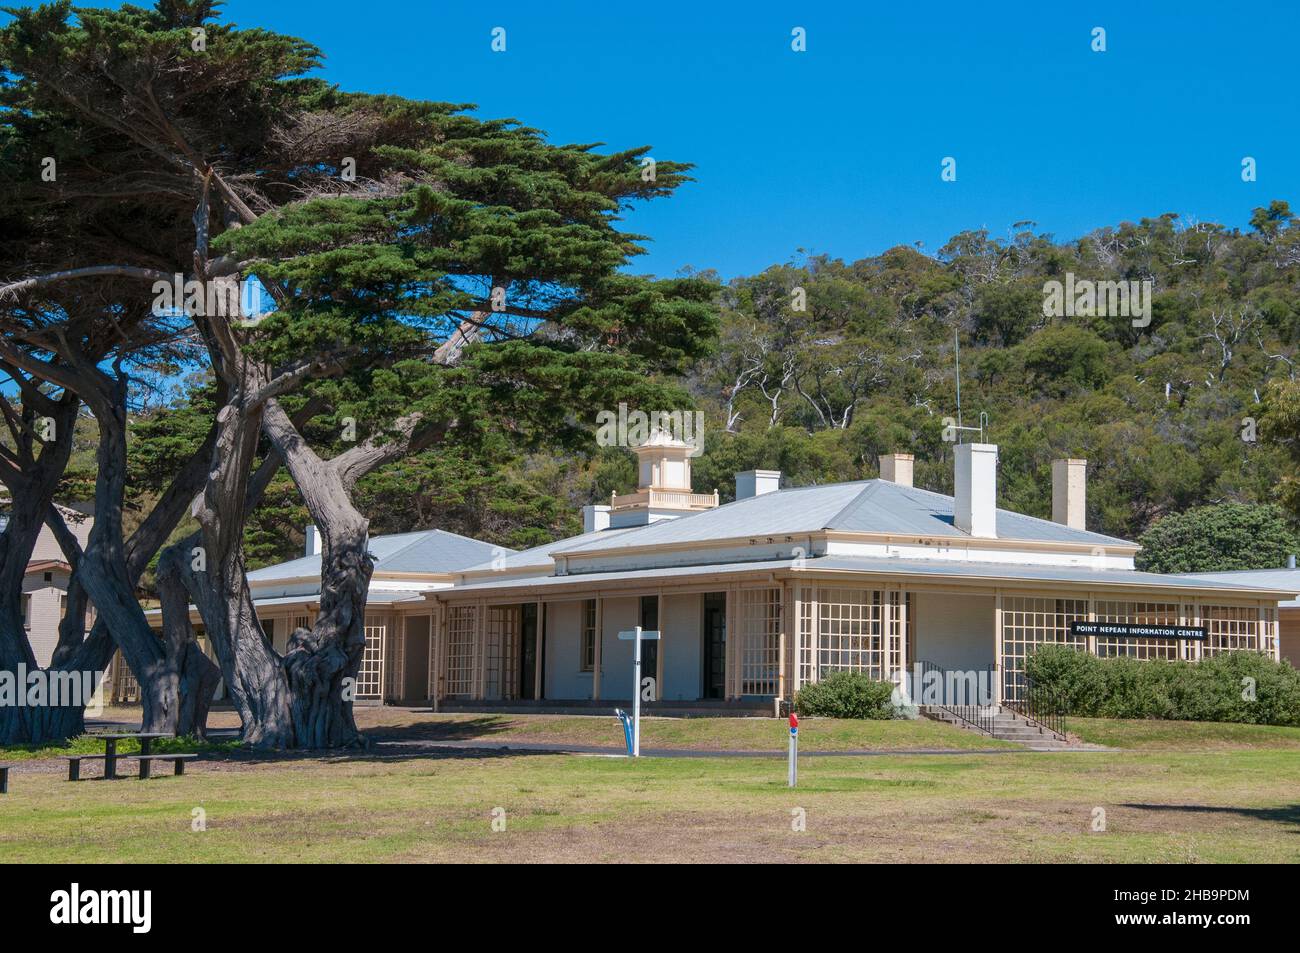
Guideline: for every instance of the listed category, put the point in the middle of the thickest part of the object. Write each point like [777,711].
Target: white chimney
[1069,492]
[897,468]
[595,518]
[975,489]
[313,541]
[756,483]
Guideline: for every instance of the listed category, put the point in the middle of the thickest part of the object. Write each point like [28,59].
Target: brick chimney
[897,468]
[1070,492]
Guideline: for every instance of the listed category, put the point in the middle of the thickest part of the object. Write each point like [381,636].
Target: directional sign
[637,635]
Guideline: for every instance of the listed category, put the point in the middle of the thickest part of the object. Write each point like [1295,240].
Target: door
[650,647]
[715,645]
[527,650]
[416,680]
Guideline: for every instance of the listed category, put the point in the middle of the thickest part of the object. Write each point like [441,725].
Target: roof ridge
[421,535]
[858,500]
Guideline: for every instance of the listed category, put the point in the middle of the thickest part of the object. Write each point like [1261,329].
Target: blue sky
[838,149]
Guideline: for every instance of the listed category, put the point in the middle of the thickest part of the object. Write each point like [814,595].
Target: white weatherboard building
[761,596]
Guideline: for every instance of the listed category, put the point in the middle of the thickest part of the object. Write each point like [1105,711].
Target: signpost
[794,749]
[636,636]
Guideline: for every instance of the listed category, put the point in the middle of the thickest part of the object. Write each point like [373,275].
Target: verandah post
[480,654]
[999,663]
[659,654]
[539,648]
[599,638]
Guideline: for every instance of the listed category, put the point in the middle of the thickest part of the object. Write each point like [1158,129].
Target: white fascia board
[406,585]
[971,552]
[704,555]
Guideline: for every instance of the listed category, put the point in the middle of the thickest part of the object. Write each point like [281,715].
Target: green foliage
[847,694]
[1163,413]
[1244,687]
[1218,538]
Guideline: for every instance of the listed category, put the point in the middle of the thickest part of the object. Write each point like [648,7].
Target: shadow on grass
[1290,814]
[468,729]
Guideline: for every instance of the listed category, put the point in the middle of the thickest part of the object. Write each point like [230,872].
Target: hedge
[846,694]
[1218,688]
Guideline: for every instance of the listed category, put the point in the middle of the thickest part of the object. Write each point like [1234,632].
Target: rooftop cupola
[663,485]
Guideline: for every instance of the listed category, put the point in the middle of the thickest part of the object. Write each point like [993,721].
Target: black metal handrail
[1037,703]
[980,717]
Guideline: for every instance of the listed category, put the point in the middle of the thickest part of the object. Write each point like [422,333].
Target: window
[27,611]
[587,656]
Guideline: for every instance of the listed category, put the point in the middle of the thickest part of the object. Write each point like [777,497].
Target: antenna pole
[956,341]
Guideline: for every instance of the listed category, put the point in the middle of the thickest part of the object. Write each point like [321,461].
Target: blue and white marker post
[637,635]
[794,749]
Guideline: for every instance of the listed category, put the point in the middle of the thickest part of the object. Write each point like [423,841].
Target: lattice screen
[502,631]
[894,628]
[760,641]
[370,677]
[850,632]
[1141,613]
[1269,642]
[126,690]
[807,642]
[1028,622]
[395,663]
[461,621]
[1232,629]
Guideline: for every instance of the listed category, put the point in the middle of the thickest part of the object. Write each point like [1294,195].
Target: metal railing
[980,717]
[1038,704]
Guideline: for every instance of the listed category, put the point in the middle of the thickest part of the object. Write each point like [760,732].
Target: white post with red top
[794,749]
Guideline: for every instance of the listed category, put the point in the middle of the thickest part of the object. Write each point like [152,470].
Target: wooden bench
[146,760]
[74,763]
[146,763]
[4,778]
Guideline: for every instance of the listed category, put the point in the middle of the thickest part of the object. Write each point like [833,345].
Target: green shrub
[1072,674]
[847,695]
[1243,687]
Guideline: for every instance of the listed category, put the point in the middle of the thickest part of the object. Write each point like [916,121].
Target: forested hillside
[1163,413]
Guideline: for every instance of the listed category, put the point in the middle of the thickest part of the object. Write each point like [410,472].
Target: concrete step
[1007,725]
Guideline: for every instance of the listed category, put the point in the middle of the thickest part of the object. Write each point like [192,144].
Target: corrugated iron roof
[430,551]
[868,506]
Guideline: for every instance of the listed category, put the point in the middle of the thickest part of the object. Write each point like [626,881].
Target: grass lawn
[1183,735]
[1238,805]
[725,734]
[1234,799]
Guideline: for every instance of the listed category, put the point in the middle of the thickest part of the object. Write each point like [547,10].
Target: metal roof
[1273,578]
[542,556]
[426,551]
[374,596]
[939,568]
[868,506]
